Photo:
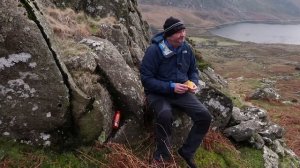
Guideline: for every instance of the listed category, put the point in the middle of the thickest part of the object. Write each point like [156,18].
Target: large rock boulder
[218,104]
[96,118]
[120,79]
[34,98]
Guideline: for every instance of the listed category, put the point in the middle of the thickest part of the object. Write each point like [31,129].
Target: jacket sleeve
[149,68]
[193,73]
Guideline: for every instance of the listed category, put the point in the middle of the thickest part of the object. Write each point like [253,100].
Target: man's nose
[182,33]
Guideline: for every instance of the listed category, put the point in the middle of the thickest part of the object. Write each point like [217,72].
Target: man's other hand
[180,88]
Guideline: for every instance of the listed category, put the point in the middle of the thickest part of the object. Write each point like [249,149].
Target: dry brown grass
[28,160]
[6,163]
[64,23]
[122,157]
[213,139]
[69,24]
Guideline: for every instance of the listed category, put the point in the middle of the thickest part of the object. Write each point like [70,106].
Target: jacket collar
[166,48]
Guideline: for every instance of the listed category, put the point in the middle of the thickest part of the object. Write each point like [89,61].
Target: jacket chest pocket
[185,64]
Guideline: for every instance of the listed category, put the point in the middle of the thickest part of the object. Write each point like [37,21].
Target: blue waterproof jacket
[161,66]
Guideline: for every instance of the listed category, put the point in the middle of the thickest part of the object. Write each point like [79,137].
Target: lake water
[261,33]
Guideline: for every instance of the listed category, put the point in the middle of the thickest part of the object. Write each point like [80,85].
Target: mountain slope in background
[287,7]
[209,13]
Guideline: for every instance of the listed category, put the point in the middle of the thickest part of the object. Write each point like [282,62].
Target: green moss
[232,158]
[202,65]
[236,100]
[221,157]
[252,157]
[208,159]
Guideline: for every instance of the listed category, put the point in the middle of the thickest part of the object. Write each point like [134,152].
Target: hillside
[274,7]
[205,13]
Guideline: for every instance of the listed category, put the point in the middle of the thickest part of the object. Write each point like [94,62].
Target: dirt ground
[246,65]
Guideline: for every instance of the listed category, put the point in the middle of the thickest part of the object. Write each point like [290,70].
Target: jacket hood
[157,38]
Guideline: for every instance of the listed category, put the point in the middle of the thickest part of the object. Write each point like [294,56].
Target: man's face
[178,38]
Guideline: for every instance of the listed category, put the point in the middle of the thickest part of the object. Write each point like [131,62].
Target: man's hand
[194,89]
[180,88]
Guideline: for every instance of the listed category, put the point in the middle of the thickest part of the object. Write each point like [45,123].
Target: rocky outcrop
[265,94]
[252,125]
[39,84]
[34,98]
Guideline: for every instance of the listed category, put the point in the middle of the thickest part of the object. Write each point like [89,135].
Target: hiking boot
[189,161]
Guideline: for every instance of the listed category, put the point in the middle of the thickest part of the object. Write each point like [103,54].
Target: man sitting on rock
[170,78]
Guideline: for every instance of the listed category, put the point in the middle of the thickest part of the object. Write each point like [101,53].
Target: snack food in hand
[190,84]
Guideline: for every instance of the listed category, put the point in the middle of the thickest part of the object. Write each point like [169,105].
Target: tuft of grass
[253,157]
[219,152]
[71,48]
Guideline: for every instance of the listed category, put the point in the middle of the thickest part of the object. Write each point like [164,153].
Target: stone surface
[273,132]
[270,158]
[33,93]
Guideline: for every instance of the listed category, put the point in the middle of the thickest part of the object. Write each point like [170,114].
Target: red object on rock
[116,121]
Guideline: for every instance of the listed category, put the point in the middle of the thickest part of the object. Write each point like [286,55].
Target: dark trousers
[188,102]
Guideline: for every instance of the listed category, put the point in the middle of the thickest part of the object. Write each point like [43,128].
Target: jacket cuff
[172,86]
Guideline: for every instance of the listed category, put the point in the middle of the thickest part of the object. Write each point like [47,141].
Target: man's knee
[204,116]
